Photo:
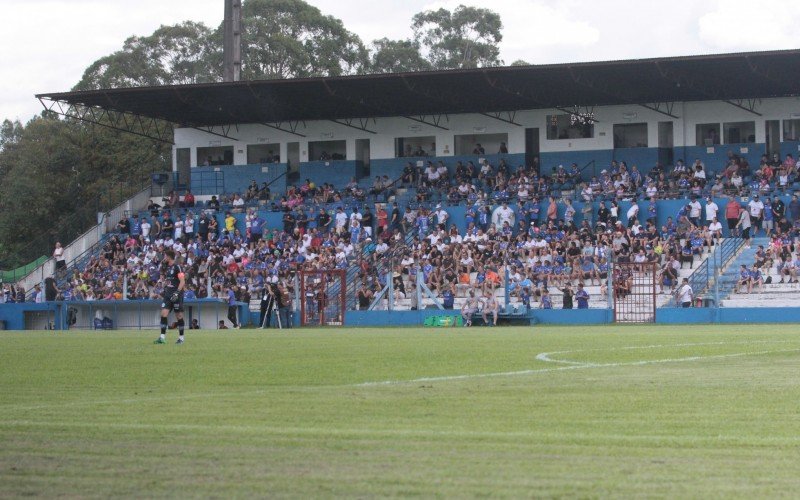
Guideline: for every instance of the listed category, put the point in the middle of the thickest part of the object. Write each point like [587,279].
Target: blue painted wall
[236,178]
[393,167]
[718,159]
[337,172]
[790,148]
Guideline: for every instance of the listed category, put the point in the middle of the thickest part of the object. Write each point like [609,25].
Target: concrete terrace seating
[773,295]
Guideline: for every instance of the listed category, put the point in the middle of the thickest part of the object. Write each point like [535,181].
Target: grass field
[514,412]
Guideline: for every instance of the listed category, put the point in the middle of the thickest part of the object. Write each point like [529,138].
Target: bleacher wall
[382,133]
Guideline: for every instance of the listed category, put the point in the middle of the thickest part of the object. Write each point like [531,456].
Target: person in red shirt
[383,220]
[732,211]
[188,199]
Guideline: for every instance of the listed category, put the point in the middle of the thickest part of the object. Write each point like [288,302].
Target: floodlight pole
[232,41]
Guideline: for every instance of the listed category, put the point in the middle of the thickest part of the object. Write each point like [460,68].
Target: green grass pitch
[638,411]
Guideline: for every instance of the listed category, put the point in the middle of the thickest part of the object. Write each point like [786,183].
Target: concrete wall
[554,152]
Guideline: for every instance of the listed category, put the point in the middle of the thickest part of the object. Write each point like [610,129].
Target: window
[630,135]
[327,150]
[791,130]
[738,132]
[405,147]
[215,155]
[570,126]
[470,144]
[707,134]
[263,153]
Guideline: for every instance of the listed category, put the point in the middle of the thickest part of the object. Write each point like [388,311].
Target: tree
[10,133]
[397,56]
[179,54]
[466,38]
[290,39]
[520,62]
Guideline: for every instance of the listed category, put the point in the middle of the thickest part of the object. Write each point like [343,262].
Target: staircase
[730,275]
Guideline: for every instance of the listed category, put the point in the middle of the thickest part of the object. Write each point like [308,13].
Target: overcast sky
[46,44]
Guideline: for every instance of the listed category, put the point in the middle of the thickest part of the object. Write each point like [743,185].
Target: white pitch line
[546,356]
[448,378]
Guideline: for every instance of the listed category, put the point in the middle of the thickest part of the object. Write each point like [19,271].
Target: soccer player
[174,285]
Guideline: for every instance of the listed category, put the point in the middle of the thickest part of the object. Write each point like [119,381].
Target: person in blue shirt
[755,279]
[232,307]
[525,297]
[546,301]
[582,297]
[769,217]
[744,279]
[652,211]
[136,227]
[448,298]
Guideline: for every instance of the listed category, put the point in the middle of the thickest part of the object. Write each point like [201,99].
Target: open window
[791,130]
[406,147]
[630,135]
[327,150]
[707,134]
[569,126]
[263,153]
[215,155]
[471,144]
[738,132]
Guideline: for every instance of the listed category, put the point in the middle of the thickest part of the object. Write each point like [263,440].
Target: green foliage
[290,39]
[179,54]
[520,62]
[468,37]
[57,174]
[397,56]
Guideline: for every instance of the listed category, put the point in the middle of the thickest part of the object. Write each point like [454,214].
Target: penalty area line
[584,366]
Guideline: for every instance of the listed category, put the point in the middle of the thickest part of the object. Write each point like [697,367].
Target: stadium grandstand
[511,194]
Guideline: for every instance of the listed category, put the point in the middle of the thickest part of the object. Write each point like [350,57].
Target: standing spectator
[232,307]
[684,294]
[732,210]
[694,211]
[745,223]
[61,262]
[711,210]
[136,227]
[582,296]
[633,214]
[794,209]
[188,199]
[124,226]
[756,207]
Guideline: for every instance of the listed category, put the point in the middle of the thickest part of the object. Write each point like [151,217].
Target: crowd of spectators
[512,223]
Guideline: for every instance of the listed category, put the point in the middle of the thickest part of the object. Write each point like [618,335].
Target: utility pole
[232,41]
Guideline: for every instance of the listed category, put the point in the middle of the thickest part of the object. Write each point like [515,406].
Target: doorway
[362,155]
[773,137]
[531,147]
[666,143]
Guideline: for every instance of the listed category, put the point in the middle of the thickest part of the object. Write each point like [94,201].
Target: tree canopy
[56,173]
[464,38]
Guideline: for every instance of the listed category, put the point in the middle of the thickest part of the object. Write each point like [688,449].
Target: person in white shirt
[694,212]
[756,207]
[684,294]
[716,228]
[188,226]
[633,214]
[711,210]
[145,229]
[505,214]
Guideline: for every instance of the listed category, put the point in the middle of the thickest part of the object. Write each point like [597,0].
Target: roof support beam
[504,116]
[433,121]
[290,127]
[224,131]
[142,126]
[358,124]
[745,104]
[665,108]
